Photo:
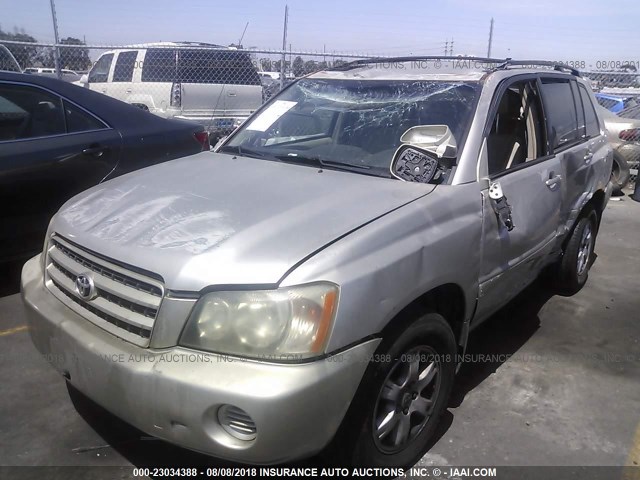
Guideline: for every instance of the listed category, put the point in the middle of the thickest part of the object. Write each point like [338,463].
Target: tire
[620,172]
[573,269]
[393,396]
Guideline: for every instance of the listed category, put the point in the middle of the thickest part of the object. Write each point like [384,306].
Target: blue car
[614,103]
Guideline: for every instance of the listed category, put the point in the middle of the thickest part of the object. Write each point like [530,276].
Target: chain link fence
[220,86]
[213,85]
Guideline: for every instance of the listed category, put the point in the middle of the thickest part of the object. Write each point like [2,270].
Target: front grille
[122,302]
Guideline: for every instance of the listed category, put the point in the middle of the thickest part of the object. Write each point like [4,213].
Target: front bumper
[175,393]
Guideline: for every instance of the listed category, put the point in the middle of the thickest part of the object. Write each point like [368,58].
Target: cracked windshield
[355,124]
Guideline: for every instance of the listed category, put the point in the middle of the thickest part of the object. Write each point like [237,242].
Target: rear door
[51,150]
[121,85]
[575,139]
[530,178]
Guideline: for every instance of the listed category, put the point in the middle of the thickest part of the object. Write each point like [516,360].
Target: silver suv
[312,285]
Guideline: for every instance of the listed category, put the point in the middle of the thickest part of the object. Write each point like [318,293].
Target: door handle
[232,94]
[588,157]
[553,181]
[94,151]
[128,90]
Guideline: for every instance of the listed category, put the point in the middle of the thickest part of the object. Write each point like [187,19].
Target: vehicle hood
[216,219]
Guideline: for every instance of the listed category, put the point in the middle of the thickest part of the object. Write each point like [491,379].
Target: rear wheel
[401,398]
[575,263]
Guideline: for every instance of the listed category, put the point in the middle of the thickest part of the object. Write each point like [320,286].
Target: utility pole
[242,37]
[446,48]
[451,48]
[56,49]
[284,46]
[490,39]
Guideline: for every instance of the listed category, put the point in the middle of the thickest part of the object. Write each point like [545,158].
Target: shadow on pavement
[501,335]
[10,278]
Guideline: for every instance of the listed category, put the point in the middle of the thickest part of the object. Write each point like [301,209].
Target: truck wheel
[404,392]
[573,269]
[620,172]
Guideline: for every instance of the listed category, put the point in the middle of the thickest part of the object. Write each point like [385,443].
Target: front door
[519,230]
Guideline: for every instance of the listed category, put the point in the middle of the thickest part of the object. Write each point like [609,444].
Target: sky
[560,30]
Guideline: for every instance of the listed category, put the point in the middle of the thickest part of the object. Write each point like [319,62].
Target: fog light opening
[237,423]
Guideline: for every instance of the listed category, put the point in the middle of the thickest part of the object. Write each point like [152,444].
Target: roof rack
[501,63]
[366,61]
[542,63]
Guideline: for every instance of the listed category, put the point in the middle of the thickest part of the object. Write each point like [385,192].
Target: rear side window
[80,121]
[591,119]
[123,71]
[199,66]
[29,112]
[100,71]
[209,66]
[159,65]
[561,112]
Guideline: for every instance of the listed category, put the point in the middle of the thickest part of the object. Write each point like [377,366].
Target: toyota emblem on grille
[85,287]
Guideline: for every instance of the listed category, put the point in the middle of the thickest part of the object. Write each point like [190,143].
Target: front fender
[384,266]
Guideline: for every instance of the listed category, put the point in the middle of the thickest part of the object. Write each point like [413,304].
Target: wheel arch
[447,300]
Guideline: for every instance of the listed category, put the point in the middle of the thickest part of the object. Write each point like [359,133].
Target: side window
[579,111]
[210,66]
[29,112]
[80,121]
[517,134]
[100,71]
[159,65]
[561,111]
[591,119]
[123,71]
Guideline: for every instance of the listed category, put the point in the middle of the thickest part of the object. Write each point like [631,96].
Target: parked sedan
[57,140]
[624,136]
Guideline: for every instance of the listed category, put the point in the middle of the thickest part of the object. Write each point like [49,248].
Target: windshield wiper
[317,161]
[247,152]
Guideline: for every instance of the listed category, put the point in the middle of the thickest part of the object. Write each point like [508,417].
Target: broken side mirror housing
[417,158]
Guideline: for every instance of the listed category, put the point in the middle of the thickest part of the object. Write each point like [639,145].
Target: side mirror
[84,79]
[418,157]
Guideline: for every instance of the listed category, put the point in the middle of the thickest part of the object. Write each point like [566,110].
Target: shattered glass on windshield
[355,123]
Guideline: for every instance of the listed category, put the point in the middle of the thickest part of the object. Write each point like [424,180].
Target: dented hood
[213,219]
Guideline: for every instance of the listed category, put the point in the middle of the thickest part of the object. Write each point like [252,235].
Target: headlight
[285,324]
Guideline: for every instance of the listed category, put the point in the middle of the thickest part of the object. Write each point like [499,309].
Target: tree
[298,67]
[26,55]
[310,66]
[74,58]
[266,64]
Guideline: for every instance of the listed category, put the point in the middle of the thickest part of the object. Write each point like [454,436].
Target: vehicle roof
[116,113]
[437,68]
[186,45]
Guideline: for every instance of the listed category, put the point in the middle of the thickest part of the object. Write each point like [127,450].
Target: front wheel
[401,398]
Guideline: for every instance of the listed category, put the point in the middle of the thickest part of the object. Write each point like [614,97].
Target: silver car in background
[624,135]
[311,286]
